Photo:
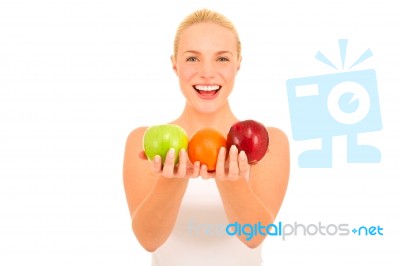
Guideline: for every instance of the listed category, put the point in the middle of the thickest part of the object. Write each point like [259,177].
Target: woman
[177,216]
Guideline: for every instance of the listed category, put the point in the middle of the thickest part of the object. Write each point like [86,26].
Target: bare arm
[154,193]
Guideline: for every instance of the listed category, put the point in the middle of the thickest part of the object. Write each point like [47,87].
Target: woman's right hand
[184,169]
[154,191]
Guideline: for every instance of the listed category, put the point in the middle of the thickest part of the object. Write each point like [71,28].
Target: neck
[192,120]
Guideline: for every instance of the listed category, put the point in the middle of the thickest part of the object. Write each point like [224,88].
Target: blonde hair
[203,16]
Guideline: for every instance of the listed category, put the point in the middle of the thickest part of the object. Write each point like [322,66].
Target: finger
[157,164]
[233,163]
[220,171]
[203,171]
[244,166]
[196,169]
[182,163]
[169,164]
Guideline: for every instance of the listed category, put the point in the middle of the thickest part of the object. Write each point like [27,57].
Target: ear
[173,61]
[239,62]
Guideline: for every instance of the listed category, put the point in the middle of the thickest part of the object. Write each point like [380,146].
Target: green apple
[158,140]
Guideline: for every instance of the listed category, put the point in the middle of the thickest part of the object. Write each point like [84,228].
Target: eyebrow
[197,52]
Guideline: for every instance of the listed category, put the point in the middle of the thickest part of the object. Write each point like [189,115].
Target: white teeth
[207,88]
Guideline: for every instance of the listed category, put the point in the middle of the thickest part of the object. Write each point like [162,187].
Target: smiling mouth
[207,90]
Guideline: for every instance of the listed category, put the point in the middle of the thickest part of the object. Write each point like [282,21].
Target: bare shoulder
[136,136]
[277,137]
[133,148]
[278,154]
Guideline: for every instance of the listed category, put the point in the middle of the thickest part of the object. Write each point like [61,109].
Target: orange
[204,147]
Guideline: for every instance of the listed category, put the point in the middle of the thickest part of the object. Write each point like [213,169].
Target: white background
[77,76]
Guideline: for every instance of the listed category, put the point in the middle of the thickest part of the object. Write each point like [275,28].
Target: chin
[207,108]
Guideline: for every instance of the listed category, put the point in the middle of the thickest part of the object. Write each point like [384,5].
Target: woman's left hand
[234,168]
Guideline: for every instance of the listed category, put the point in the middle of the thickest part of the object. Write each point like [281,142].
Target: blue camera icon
[325,106]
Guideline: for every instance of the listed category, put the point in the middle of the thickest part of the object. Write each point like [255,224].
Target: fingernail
[171,153]
[233,149]
[242,156]
[157,159]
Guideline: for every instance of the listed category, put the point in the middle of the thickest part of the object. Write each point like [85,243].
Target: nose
[207,70]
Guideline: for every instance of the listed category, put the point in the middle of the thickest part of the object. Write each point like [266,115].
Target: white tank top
[199,237]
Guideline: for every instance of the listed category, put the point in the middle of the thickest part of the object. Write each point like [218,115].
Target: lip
[207,96]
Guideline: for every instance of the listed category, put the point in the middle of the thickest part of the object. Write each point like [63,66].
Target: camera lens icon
[339,104]
[348,102]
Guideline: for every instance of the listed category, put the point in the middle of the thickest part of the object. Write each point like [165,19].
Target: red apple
[251,137]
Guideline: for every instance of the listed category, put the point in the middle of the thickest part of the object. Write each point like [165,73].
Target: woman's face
[206,64]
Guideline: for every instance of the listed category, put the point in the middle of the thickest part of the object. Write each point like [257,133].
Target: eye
[191,59]
[224,59]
